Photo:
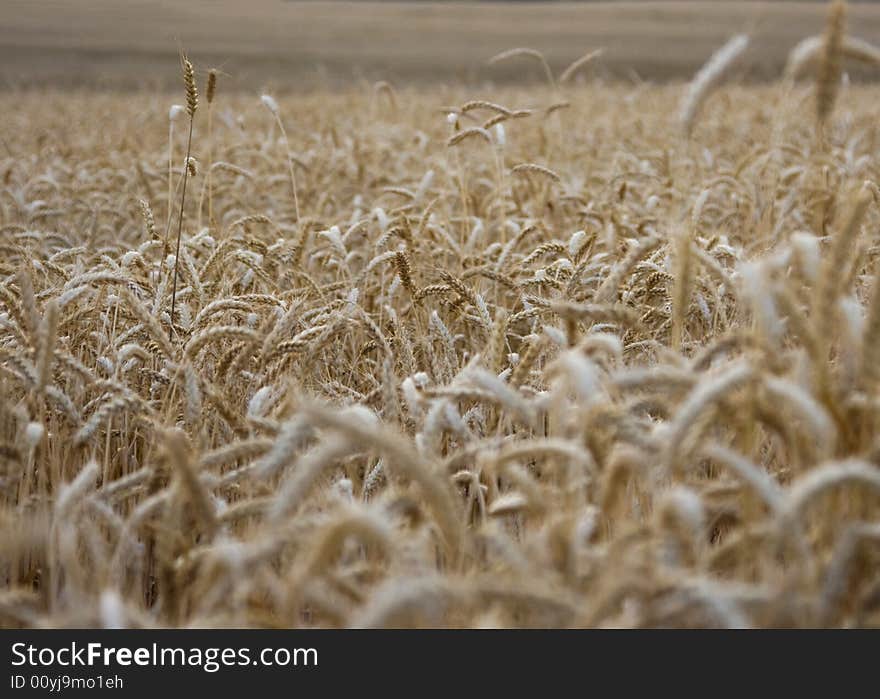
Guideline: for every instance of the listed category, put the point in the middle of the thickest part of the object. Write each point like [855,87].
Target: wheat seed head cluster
[567,355]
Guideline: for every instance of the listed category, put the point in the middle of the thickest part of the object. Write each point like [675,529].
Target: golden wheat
[594,374]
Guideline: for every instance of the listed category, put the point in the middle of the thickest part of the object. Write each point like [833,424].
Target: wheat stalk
[708,78]
[192,103]
[830,63]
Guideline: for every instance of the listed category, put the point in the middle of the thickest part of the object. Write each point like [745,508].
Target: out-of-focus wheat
[570,369]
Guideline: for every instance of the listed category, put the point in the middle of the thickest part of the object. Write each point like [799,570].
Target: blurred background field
[304,45]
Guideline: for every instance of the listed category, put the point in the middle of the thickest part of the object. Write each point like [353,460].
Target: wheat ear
[708,77]
[210,90]
[830,66]
[574,67]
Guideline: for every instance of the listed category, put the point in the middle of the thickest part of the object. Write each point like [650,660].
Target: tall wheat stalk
[192,103]
[209,96]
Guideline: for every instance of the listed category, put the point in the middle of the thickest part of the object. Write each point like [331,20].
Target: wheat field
[558,356]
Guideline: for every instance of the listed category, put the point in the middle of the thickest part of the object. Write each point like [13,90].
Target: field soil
[299,45]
